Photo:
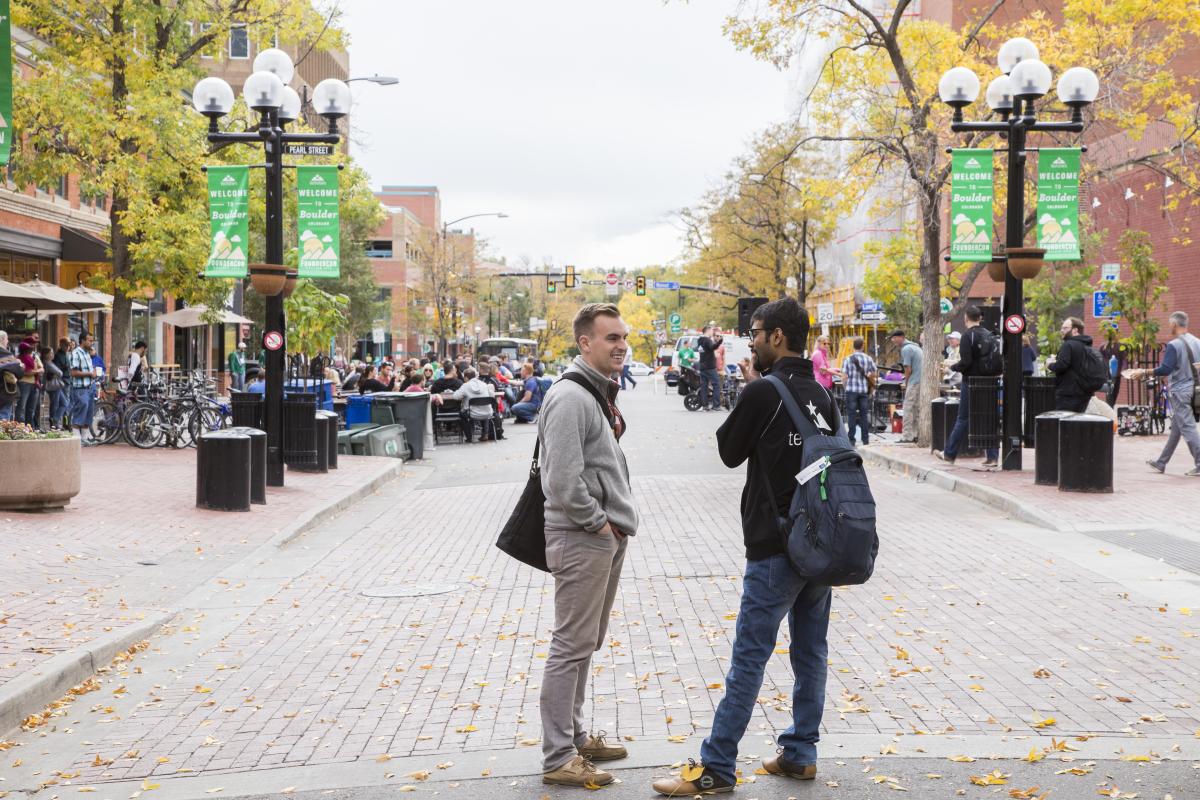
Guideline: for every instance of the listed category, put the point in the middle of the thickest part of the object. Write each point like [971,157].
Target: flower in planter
[13,431]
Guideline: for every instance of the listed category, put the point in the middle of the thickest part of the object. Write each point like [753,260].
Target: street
[393,648]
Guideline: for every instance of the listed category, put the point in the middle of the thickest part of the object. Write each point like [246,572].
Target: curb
[29,693]
[33,691]
[979,492]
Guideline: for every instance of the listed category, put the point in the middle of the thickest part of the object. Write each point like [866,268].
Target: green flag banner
[1058,203]
[6,83]
[317,221]
[229,213]
[971,177]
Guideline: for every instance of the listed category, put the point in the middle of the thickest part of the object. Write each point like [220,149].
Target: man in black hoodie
[1070,388]
[759,430]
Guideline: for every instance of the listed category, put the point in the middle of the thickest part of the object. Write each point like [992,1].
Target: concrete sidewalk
[1142,500]
[87,582]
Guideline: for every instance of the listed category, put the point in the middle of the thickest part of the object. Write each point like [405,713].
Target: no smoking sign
[272,340]
[1014,324]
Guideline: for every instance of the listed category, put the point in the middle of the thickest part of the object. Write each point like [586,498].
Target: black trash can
[1039,398]
[300,430]
[321,441]
[1045,459]
[246,408]
[411,409]
[983,430]
[332,434]
[937,413]
[223,471]
[1085,453]
[258,462]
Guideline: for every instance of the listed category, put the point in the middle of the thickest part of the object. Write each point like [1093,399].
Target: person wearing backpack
[978,355]
[1079,368]
[1179,361]
[759,430]
[11,370]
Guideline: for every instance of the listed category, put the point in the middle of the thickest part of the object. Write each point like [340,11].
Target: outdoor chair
[447,422]
[486,427]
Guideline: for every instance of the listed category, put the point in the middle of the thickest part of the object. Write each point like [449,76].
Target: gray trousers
[912,411]
[586,568]
[1183,425]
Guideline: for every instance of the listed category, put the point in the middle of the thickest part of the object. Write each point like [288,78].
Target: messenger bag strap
[575,377]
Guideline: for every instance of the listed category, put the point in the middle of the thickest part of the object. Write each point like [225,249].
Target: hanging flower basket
[1026,262]
[995,271]
[268,279]
[290,282]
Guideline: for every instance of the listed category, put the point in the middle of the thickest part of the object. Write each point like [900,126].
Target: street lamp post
[266,91]
[1012,96]
[445,248]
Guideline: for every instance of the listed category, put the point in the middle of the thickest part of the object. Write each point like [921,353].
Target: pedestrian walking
[912,360]
[710,379]
[1179,367]
[625,365]
[858,371]
[975,353]
[760,430]
[589,517]
[11,370]
[82,373]
[237,367]
[1079,369]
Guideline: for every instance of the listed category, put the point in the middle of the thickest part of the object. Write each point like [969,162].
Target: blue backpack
[830,526]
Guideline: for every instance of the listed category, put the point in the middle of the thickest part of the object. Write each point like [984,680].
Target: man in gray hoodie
[589,517]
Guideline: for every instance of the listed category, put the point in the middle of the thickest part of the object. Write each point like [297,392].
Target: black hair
[973,313]
[138,344]
[787,315]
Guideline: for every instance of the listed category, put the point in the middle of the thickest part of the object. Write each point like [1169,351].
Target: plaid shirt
[79,360]
[855,370]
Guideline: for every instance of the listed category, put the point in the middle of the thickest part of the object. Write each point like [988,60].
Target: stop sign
[611,279]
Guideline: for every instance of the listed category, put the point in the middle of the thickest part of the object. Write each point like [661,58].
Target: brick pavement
[947,637]
[72,575]
[1141,498]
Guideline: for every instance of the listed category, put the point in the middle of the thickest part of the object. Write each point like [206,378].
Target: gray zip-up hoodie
[584,474]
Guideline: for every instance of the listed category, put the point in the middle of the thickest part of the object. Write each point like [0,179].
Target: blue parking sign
[1101,309]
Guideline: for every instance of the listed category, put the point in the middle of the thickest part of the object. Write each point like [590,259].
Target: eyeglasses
[754,332]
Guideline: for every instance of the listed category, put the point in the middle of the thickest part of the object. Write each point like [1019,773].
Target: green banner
[971,177]
[6,83]
[1058,203]
[229,213]
[317,221]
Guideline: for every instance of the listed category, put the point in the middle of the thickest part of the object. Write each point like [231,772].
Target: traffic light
[551,287]
[569,281]
[641,286]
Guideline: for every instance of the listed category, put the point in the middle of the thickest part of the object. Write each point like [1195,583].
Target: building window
[208,51]
[61,189]
[239,42]
[379,248]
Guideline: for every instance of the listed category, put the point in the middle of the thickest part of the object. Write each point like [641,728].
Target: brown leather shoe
[778,765]
[700,780]
[596,749]
[578,772]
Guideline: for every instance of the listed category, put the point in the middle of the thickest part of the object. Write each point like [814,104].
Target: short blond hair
[585,318]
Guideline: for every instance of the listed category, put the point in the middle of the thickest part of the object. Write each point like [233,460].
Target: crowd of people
[62,382]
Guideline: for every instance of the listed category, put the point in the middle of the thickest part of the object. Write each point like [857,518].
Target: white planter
[38,473]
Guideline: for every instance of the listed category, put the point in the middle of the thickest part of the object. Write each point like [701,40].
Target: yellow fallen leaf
[163,760]
[149,787]
[591,785]
[87,788]
[466,729]
[1041,672]
[962,759]
[887,750]
[422,775]
[407,788]
[993,778]
[203,689]
[1074,771]
[692,771]
[714,686]
[1141,640]
[782,651]
[383,758]
[933,776]
[731,615]
[1045,723]
[1034,756]
[1187,612]
[975,687]
[1032,793]
[1135,757]
[677,739]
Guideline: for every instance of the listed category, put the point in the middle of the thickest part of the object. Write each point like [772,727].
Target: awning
[14,297]
[102,297]
[30,244]
[83,246]
[57,294]
[190,317]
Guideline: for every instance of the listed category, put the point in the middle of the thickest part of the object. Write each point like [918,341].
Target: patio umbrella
[72,302]
[190,317]
[102,297]
[14,297]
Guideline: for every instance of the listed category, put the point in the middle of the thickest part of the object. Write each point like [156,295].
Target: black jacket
[708,352]
[446,385]
[970,349]
[1070,393]
[760,430]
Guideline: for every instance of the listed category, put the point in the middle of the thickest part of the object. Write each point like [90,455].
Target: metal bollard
[223,471]
[258,463]
[332,442]
[1045,458]
[937,413]
[246,408]
[1085,454]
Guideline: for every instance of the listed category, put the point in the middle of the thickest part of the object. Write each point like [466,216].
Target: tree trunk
[122,303]
[931,325]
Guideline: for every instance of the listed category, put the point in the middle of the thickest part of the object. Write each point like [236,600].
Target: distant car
[638,370]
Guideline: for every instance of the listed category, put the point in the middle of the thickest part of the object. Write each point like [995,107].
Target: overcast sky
[586,122]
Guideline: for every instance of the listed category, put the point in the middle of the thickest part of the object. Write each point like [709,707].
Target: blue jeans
[625,376]
[525,411]
[710,377]
[960,428]
[858,414]
[28,403]
[772,590]
[82,404]
[6,411]
[59,404]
